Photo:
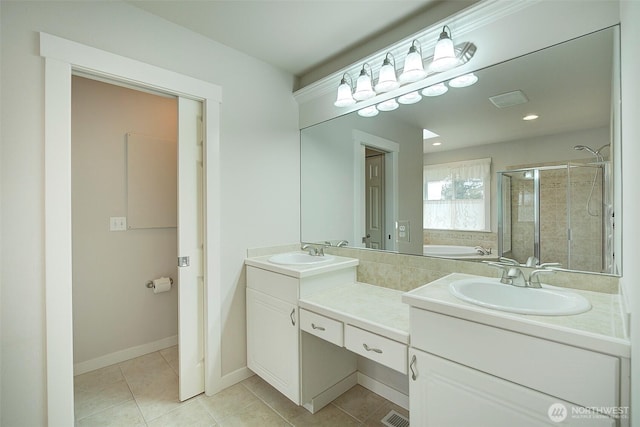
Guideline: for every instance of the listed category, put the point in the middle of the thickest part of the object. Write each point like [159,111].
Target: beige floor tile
[273,398]
[329,416]
[256,414]
[192,414]
[359,402]
[229,401]
[158,398]
[107,375]
[171,356]
[126,414]
[93,397]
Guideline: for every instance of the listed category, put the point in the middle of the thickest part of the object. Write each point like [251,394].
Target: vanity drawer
[377,348]
[323,327]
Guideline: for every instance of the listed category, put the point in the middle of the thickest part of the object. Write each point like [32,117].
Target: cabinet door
[444,393]
[272,342]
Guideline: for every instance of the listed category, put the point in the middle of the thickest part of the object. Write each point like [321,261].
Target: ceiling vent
[509,99]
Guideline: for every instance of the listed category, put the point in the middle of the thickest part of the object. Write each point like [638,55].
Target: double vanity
[469,354]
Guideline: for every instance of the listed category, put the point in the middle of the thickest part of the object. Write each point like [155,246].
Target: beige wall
[259,169]
[112,309]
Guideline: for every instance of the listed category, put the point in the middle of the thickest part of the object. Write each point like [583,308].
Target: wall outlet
[403,231]
[118,223]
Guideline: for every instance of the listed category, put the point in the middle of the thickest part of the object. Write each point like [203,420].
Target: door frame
[62,59]
[361,140]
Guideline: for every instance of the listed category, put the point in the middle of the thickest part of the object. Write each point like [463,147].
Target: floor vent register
[394,419]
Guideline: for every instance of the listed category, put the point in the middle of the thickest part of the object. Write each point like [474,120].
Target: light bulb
[444,55]
[370,111]
[464,80]
[344,98]
[435,90]
[387,78]
[388,105]
[364,89]
[413,68]
[409,98]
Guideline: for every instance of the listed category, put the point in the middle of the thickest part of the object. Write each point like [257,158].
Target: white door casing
[190,247]
[62,59]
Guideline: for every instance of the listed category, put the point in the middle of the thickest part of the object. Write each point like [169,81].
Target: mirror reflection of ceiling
[554,81]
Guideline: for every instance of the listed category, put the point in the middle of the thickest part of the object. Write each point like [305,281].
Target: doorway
[62,59]
[374,182]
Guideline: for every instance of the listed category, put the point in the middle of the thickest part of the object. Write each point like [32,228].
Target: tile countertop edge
[301,271]
[503,320]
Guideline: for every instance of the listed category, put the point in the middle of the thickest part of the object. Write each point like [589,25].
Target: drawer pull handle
[320,328]
[375,350]
[413,372]
[293,320]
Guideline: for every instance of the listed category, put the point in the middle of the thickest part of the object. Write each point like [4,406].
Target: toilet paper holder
[150,284]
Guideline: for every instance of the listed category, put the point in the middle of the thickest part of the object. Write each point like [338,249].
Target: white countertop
[599,329]
[374,308]
[301,271]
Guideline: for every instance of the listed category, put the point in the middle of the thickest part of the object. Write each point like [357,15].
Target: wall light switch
[118,223]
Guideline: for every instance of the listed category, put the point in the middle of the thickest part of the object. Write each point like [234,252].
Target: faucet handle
[505,271]
[509,261]
[532,261]
[534,279]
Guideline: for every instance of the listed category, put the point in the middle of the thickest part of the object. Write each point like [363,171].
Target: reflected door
[374,190]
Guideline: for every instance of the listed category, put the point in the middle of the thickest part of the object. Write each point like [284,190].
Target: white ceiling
[293,35]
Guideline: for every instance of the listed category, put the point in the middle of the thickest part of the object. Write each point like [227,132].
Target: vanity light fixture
[364,86]
[387,79]
[388,105]
[444,55]
[413,67]
[409,98]
[435,90]
[369,111]
[464,80]
[345,97]
[530,117]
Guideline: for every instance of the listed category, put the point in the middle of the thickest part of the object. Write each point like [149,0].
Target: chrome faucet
[313,251]
[342,243]
[517,277]
[482,250]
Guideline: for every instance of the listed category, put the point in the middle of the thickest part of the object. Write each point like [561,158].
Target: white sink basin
[299,258]
[545,301]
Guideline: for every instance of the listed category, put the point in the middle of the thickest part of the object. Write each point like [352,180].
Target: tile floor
[144,392]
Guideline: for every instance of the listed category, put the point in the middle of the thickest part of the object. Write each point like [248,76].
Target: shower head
[596,153]
[584,147]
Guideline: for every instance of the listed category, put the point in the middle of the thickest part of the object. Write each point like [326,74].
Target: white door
[190,249]
[374,199]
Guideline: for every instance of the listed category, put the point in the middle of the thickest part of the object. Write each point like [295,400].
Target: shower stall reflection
[561,213]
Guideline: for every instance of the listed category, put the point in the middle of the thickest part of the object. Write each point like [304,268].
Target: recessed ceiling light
[530,117]
[437,143]
[427,134]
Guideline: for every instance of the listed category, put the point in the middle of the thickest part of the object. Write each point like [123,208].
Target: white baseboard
[384,390]
[122,355]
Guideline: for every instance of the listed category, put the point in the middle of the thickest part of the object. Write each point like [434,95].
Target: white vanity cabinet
[272,342]
[470,373]
[308,370]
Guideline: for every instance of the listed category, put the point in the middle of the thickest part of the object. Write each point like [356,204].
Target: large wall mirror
[486,182]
